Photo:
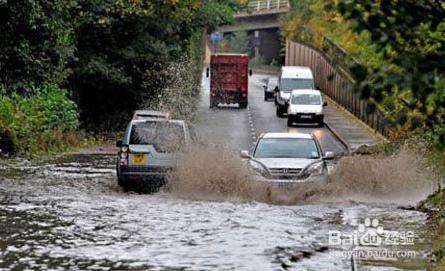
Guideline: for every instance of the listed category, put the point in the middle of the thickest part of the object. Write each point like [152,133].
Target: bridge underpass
[260,20]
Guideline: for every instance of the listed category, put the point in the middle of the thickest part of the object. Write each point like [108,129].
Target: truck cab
[291,78]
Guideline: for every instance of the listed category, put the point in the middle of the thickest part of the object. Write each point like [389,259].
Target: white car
[290,78]
[288,158]
[305,106]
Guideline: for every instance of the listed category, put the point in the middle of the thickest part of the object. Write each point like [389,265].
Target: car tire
[290,121]
[280,111]
[213,104]
[120,179]
[243,105]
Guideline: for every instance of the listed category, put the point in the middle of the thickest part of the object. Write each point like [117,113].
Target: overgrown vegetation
[43,119]
[398,45]
[109,57]
[235,42]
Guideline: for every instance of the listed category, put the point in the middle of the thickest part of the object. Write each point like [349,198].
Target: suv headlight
[257,168]
[314,169]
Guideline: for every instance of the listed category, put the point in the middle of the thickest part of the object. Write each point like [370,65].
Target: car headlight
[314,169]
[257,168]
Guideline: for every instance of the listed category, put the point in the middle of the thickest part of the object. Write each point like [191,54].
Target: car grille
[285,171]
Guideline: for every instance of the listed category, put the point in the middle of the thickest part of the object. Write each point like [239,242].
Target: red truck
[229,79]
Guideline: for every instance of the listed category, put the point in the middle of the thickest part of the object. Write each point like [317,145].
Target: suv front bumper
[133,173]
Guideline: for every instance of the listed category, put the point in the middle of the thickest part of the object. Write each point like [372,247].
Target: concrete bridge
[260,19]
[258,15]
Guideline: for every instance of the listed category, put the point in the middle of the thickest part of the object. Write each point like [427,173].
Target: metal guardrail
[265,5]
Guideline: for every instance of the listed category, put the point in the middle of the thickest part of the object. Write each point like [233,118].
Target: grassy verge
[434,205]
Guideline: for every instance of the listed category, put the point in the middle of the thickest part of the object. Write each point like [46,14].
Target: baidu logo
[371,233]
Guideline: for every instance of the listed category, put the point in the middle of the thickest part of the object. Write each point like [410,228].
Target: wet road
[70,214]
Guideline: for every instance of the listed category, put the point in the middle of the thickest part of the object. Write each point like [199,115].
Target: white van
[291,78]
[306,106]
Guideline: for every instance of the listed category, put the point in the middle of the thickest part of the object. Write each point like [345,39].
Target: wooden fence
[332,78]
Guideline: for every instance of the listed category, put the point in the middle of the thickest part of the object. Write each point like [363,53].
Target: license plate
[138,159]
[306,116]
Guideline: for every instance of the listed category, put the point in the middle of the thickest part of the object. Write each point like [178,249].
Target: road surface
[70,214]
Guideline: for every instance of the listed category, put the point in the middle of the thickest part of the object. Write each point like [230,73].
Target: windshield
[306,99]
[287,148]
[288,84]
[163,135]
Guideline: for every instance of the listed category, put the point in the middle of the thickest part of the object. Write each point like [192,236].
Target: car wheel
[150,186]
[280,110]
[120,179]
[213,104]
[289,121]
[243,105]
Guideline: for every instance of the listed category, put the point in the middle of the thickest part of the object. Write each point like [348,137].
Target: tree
[36,43]
[124,49]
[411,36]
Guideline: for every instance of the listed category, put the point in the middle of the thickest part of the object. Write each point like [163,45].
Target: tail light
[124,156]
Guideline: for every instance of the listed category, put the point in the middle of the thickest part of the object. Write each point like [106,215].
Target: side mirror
[277,89]
[325,104]
[245,154]
[119,143]
[207,72]
[265,87]
[328,156]
[250,72]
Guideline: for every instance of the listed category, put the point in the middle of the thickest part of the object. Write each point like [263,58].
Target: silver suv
[288,158]
[148,152]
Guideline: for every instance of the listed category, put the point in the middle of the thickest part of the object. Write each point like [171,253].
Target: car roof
[158,120]
[288,135]
[296,72]
[151,113]
[306,91]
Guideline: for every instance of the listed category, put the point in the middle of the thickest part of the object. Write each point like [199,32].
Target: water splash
[217,173]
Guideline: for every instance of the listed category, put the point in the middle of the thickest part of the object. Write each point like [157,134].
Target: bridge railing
[265,5]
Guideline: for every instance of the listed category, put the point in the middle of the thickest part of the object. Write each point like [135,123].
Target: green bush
[41,121]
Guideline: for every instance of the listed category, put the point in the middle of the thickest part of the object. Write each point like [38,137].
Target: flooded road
[70,214]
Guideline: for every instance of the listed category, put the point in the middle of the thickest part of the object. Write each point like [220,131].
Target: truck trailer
[229,79]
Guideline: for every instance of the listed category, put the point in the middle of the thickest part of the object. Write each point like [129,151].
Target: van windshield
[306,99]
[288,84]
[163,135]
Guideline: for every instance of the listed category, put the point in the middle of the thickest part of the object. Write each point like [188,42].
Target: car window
[272,83]
[287,148]
[306,99]
[163,135]
[288,84]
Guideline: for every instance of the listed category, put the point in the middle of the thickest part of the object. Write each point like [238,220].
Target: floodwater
[70,214]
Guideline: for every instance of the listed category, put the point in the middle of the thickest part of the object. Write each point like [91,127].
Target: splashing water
[217,173]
